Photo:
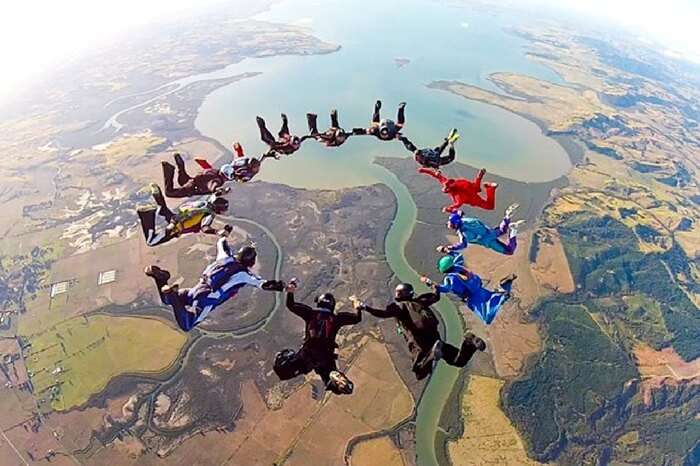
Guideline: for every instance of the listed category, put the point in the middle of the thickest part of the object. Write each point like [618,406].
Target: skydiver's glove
[273,285]
[427,281]
[222,191]
[357,303]
[443,249]
[292,285]
[511,208]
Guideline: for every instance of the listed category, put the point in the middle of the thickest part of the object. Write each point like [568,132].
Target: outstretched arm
[392,310]
[435,174]
[449,158]
[462,244]
[408,144]
[359,131]
[300,309]
[223,250]
[444,287]
[350,318]
[428,299]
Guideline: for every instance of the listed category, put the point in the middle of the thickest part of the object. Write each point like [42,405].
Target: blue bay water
[372,34]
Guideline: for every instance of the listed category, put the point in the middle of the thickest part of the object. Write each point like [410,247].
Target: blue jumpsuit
[473,230]
[469,288]
[220,281]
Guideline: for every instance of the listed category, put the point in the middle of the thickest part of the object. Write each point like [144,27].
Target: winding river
[439,41]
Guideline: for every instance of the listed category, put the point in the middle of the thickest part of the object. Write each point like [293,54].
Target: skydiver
[205,182]
[419,326]
[385,129]
[468,287]
[190,217]
[472,230]
[241,170]
[317,353]
[432,157]
[464,191]
[285,144]
[333,136]
[220,281]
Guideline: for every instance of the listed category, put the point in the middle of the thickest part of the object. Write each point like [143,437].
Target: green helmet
[445,264]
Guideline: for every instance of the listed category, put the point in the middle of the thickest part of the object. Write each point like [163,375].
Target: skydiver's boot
[147,218]
[182,176]
[265,134]
[168,178]
[400,118]
[334,119]
[312,121]
[479,178]
[377,108]
[453,136]
[157,194]
[161,278]
[284,130]
[470,345]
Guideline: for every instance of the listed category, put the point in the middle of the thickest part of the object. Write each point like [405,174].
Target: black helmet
[326,301]
[220,205]
[403,292]
[246,256]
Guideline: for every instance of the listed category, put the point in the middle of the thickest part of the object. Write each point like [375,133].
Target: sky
[675,24]
[35,35]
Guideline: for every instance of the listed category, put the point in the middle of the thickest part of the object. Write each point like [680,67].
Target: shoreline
[570,145]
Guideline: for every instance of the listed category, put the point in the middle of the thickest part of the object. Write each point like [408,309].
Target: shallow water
[372,35]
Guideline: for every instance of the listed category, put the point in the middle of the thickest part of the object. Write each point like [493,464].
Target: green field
[90,351]
[580,400]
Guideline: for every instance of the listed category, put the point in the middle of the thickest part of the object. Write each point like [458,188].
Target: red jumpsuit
[463,191]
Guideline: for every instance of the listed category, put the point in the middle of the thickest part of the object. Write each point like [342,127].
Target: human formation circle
[231,269]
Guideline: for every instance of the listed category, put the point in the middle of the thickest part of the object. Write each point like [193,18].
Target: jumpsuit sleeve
[253,280]
[348,318]
[428,299]
[223,250]
[300,309]
[463,243]
[392,310]
[449,158]
[446,285]
[459,258]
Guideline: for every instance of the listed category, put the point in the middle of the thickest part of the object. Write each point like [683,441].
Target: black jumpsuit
[286,144]
[318,351]
[419,326]
[430,157]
